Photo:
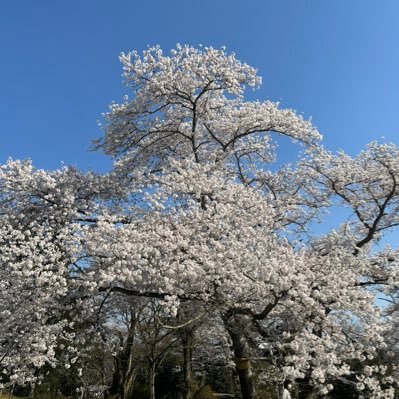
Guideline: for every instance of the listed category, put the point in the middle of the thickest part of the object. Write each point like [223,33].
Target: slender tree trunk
[31,391]
[114,388]
[125,372]
[151,379]
[241,360]
[129,384]
[187,342]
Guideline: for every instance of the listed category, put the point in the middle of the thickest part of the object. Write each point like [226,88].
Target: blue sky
[336,61]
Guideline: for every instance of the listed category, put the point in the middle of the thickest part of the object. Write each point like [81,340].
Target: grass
[5,395]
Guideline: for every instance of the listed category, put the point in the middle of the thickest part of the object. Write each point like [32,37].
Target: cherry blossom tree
[41,297]
[195,215]
[216,221]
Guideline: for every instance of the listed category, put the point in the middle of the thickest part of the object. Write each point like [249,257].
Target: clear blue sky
[337,61]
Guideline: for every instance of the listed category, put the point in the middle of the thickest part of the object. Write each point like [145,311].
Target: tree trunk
[31,393]
[151,381]
[187,342]
[129,384]
[244,375]
[125,372]
[241,360]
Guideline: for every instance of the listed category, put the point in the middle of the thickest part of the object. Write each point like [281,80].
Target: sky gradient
[335,61]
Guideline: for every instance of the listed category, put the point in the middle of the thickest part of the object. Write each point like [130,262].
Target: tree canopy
[196,234]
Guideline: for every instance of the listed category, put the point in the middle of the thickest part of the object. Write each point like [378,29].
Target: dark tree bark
[125,372]
[186,335]
[241,357]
